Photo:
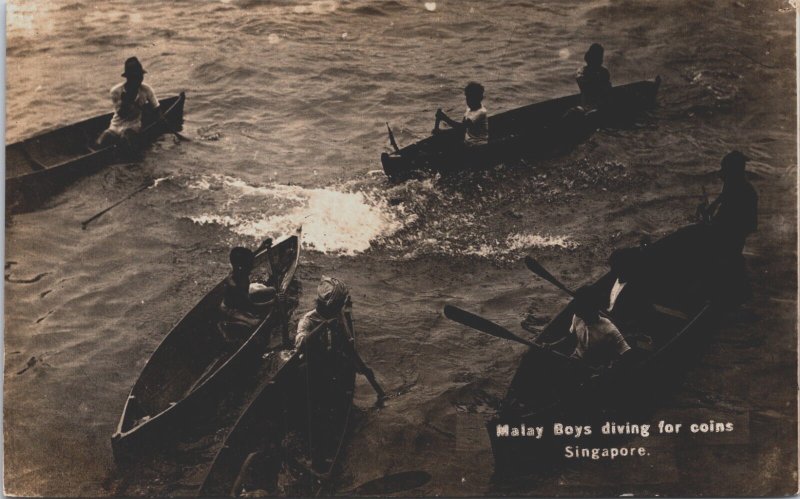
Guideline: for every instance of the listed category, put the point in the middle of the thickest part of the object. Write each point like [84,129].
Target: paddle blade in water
[391,484]
[479,323]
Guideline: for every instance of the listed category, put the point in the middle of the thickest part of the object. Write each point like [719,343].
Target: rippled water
[287,104]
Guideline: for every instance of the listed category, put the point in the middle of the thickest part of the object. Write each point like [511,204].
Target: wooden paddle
[99,214]
[484,325]
[361,366]
[391,138]
[537,269]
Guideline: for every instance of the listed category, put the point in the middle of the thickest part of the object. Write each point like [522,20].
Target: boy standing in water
[476,120]
[593,79]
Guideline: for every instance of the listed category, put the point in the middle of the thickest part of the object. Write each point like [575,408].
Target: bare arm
[453,123]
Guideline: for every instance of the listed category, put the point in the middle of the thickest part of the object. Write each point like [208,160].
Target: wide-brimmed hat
[133,67]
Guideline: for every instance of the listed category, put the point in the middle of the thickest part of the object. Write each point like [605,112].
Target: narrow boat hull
[533,131]
[196,367]
[41,166]
[547,389]
[288,440]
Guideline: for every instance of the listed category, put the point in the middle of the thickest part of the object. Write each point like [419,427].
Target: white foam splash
[518,242]
[334,221]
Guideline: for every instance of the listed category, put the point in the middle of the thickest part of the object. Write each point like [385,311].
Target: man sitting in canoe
[245,303]
[476,120]
[593,79]
[599,342]
[329,326]
[130,99]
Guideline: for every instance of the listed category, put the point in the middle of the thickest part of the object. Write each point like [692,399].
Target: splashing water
[334,221]
[408,221]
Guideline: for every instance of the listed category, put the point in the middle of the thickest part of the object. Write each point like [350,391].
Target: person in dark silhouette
[593,79]
[734,214]
[731,218]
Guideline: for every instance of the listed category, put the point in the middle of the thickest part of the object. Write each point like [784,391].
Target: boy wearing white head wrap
[332,295]
[333,303]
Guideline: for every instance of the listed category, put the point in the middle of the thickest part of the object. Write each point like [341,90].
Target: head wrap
[331,296]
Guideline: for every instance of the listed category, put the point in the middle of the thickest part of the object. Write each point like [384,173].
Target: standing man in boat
[130,99]
[732,217]
[329,327]
[476,120]
[593,79]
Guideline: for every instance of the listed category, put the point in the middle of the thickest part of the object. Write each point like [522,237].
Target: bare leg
[107,138]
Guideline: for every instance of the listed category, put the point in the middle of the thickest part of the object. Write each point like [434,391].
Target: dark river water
[287,104]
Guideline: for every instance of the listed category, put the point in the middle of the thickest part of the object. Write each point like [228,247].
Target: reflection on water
[287,104]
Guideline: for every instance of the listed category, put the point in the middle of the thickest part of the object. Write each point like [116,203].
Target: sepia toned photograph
[400,248]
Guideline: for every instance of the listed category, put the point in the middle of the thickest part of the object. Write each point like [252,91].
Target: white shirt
[615,291]
[478,130]
[131,118]
[600,335]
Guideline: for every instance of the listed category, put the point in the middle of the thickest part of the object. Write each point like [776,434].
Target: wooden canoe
[532,131]
[288,441]
[42,165]
[548,389]
[195,365]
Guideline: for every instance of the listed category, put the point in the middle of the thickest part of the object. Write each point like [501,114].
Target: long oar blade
[392,484]
[91,219]
[537,269]
[479,323]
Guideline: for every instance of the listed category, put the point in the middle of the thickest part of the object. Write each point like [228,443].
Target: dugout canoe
[40,166]
[289,439]
[195,366]
[548,389]
[532,131]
